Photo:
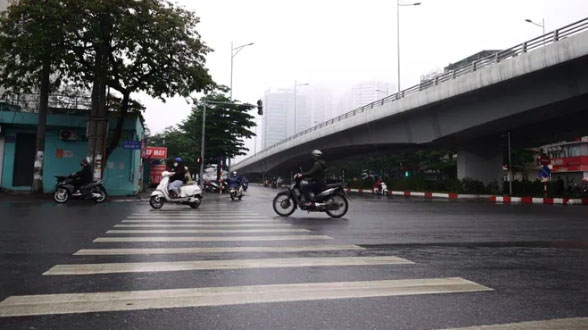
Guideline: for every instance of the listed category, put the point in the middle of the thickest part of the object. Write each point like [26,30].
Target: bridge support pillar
[481,161]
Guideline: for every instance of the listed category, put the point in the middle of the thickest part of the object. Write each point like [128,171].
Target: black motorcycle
[64,190]
[333,200]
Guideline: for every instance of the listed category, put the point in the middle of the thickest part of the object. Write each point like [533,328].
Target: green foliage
[227,126]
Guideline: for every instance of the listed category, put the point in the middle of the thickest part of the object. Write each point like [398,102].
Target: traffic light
[259,107]
[407,173]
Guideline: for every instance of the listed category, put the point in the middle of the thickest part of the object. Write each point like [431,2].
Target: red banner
[570,164]
[155,153]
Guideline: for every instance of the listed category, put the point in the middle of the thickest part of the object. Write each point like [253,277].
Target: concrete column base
[482,162]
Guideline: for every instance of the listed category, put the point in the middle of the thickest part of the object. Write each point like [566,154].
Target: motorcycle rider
[82,177]
[177,179]
[316,176]
[234,180]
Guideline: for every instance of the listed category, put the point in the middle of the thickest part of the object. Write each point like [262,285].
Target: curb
[491,198]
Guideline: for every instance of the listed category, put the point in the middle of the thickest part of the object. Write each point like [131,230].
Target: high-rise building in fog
[364,93]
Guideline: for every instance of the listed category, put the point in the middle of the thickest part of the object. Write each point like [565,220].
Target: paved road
[389,264]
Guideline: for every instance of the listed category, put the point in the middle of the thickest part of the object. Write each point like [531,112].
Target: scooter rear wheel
[156,202]
[61,195]
[337,206]
[102,197]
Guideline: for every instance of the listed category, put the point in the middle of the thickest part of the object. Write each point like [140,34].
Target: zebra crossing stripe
[148,251]
[206,231]
[578,323]
[171,266]
[208,238]
[199,221]
[216,225]
[222,296]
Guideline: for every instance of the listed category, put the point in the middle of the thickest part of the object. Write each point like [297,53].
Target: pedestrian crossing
[147,234]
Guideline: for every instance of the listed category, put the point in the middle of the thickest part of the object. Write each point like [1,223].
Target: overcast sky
[337,43]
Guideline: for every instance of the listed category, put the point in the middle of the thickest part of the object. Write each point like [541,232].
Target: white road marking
[216,225]
[206,231]
[579,323]
[199,221]
[147,251]
[171,266]
[222,296]
[209,238]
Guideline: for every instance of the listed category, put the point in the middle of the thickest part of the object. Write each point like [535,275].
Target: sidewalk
[491,198]
[23,196]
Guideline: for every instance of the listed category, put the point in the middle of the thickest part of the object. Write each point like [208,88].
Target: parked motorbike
[333,200]
[64,190]
[190,194]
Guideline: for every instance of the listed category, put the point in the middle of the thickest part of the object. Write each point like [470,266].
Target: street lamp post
[542,26]
[295,117]
[234,52]
[398,5]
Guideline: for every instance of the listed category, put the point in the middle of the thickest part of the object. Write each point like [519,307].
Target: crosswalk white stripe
[222,296]
[171,266]
[208,238]
[206,231]
[147,251]
[198,217]
[578,323]
[201,221]
[216,225]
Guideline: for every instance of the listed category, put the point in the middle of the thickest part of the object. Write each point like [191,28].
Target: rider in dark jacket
[316,175]
[83,176]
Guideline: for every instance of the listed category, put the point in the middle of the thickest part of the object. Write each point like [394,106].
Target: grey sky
[337,43]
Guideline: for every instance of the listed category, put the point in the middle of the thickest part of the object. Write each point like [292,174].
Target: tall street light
[295,117]
[398,5]
[542,26]
[234,52]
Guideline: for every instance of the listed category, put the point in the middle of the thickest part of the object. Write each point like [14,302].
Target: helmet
[178,159]
[234,173]
[317,153]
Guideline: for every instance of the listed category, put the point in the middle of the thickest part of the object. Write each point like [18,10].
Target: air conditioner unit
[68,134]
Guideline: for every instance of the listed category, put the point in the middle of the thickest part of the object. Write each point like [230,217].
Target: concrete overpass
[537,91]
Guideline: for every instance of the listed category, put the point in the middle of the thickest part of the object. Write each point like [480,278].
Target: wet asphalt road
[533,257]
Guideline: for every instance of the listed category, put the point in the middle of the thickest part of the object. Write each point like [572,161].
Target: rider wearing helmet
[234,180]
[178,178]
[316,176]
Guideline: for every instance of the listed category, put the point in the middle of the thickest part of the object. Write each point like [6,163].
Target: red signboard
[570,164]
[155,173]
[156,153]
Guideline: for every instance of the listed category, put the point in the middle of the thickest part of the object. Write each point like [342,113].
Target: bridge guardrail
[538,42]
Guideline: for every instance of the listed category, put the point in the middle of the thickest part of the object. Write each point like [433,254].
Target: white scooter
[381,190]
[190,194]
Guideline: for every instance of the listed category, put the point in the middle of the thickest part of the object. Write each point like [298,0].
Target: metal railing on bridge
[497,57]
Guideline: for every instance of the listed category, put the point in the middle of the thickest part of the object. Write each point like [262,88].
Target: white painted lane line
[147,251]
[228,217]
[578,323]
[206,231]
[172,266]
[216,225]
[223,296]
[209,238]
[200,221]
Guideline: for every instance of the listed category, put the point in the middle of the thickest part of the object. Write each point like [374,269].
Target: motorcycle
[64,190]
[190,194]
[333,200]
[236,192]
[380,188]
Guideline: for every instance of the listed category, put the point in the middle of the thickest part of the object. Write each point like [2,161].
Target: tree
[32,38]
[149,46]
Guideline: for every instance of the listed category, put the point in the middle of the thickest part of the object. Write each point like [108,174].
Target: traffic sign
[544,172]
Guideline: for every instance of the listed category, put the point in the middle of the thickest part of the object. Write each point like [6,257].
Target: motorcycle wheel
[284,205]
[61,195]
[240,196]
[232,196]
[341,205]
[195,205]
[156,202]
[102,197]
